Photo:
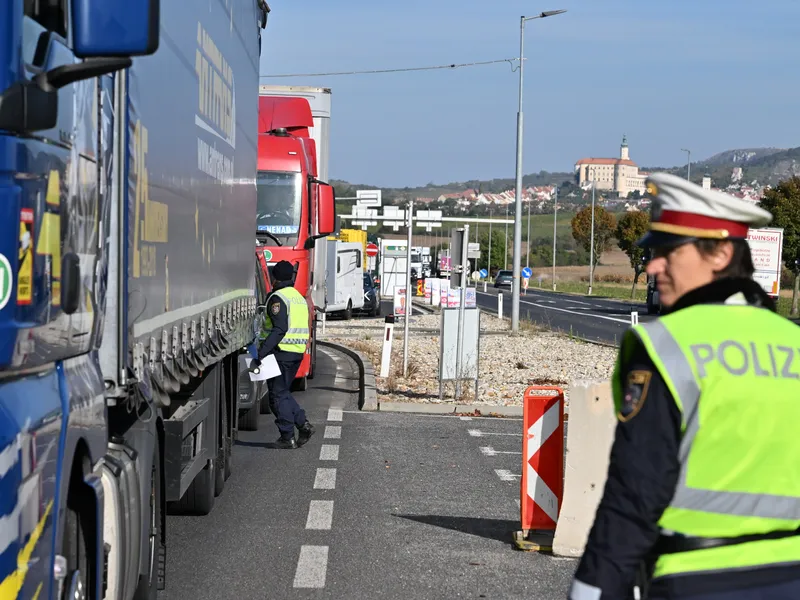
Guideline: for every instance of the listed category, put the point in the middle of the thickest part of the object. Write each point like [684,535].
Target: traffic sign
[372,249]
[484,273]
[526,273]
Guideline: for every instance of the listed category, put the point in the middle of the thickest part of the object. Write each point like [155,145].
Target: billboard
[766,247]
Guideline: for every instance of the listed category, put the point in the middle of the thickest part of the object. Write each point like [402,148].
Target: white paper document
[269,368]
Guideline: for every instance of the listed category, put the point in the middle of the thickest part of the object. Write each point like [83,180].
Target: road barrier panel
[590,433]
[542,482]
[386,355]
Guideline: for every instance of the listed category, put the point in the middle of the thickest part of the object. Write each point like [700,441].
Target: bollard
[500,305]
[634,317]
[386,355]
[542,484]
[484,287]
[323,322]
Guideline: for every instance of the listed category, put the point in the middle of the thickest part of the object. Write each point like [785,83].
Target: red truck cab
[294,207]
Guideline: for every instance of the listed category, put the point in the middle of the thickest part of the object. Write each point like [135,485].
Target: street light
[688,163]
[518,188]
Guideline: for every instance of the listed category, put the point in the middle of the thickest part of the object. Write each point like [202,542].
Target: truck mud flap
[184,447]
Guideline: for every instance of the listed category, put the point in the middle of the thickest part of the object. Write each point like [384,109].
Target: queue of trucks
[139,157]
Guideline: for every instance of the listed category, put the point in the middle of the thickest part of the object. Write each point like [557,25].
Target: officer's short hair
[741,264]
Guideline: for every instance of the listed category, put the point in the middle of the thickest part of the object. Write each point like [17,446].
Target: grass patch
[621,291]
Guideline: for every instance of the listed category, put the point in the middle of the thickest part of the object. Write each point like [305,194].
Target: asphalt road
[376,505]
[589,318]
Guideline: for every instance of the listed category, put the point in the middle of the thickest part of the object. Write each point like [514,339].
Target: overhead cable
[371,72]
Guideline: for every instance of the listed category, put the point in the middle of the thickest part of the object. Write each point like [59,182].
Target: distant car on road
[372,297]
[504,278]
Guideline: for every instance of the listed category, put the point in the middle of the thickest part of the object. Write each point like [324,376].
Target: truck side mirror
[115,28]
[326,213]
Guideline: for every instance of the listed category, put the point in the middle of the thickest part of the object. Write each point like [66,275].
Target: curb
[450,409]
[367,388]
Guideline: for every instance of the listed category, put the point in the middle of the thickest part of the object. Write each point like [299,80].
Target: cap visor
[662,239]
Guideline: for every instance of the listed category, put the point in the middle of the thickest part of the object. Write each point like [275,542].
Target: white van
[344,279]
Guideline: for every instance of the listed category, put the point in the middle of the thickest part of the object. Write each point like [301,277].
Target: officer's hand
[254,366]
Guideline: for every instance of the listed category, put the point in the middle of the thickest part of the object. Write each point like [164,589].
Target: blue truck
[128,143]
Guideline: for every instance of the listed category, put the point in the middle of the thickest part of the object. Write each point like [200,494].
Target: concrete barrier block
[590,433]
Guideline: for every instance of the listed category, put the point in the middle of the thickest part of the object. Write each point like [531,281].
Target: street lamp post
[688,163]
[591,247]
[528,253]
[518,188]
[555,221]
[489,267]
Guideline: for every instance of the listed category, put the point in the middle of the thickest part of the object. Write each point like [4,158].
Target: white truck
[344,278]
[766,248]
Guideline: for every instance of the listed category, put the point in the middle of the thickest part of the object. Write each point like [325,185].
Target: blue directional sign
[527,273]
[484,273]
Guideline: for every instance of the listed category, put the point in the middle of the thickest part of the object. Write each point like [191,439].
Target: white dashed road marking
[479,433]
[333,432]
[506,475]
[312,567]
[489,451]
[329,452]
[334,414]
[320,514]
[325,480]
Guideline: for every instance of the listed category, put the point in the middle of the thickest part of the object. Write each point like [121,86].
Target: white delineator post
[500,305]
[386,355]
[635,317]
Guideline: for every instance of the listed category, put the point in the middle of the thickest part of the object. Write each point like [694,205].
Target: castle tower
[706,181]
[623,149]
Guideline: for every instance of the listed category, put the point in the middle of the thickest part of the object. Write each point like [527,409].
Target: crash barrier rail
[541,483]
[575,482]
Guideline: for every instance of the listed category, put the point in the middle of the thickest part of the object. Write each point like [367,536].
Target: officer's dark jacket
[642,476]
[278,313]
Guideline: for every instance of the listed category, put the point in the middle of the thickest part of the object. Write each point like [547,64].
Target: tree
[498,249]
[630,228]
[783,201]
[605,227]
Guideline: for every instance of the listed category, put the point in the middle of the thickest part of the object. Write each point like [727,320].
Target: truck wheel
[222,449]
[77,531]
[249,421]
[348,313]
[148,584]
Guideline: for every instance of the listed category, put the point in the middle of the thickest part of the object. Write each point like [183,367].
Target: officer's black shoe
[306,431]
[285,443]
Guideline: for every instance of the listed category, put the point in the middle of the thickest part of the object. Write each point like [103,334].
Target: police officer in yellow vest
[285,334]
[702,498]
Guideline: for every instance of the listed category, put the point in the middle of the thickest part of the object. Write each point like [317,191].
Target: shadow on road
[493,529]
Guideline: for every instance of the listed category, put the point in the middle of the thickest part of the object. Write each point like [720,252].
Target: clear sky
[708,75]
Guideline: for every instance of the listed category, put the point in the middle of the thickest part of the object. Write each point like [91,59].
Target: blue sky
[708,75]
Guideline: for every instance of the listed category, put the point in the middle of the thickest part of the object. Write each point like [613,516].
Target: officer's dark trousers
[287,411]
[788,590]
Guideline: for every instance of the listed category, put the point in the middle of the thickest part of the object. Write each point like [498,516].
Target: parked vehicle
[372,297]
[344,280]
[124,296]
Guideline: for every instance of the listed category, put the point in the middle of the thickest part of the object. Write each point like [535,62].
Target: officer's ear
[719,255]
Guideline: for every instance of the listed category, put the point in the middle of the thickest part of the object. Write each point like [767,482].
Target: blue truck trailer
[128,143]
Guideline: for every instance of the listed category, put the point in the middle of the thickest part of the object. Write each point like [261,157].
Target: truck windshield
[280,196]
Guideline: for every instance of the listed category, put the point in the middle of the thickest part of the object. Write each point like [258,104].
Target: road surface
[589,318]
[383,505]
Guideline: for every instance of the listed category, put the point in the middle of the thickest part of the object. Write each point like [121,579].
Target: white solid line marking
[329,452]
[465,418]
[334,414]
[369,414]
[320,514]
[333,432]
[325,479]
[489,451]
[506,475]
[572,312]
[312,567]
[479,433]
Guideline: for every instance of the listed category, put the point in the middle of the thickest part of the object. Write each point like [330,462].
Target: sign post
[526,275]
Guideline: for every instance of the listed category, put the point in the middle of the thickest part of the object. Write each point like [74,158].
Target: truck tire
[263,402]
[249,420]
[348,313]
[75,546]
[312,370]
[300,384]
[222,447]
[199,497]
[147,589]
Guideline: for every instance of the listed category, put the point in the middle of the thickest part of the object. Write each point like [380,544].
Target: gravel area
[508,363]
